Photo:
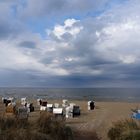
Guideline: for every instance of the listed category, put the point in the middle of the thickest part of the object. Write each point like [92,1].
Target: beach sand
[100,119]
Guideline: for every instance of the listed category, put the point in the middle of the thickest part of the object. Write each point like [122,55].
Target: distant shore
[97,94]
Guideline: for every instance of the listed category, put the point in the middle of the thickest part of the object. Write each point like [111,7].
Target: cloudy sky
[70,43]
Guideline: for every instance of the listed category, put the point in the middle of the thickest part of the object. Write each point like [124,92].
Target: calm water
[98,94]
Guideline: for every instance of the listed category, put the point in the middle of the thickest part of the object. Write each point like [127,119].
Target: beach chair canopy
[91,105]
[3,98]
[56,105]
[12,99]
[8,101]
[69,112]
[39,101]
[69,109]
[44,103]
[89,102]
[72,105]
[49,105]
[136,116]
[65,101]
[23,99]
[58,111]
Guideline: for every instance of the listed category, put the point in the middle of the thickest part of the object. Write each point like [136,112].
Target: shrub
[56,128]
[11,123]
[47,127]
[125,130]
[22,134]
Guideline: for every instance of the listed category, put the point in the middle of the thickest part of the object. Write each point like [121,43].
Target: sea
[97,94]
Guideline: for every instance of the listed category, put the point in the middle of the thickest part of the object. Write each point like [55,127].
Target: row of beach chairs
[21,111]
[66,109]
[69,110]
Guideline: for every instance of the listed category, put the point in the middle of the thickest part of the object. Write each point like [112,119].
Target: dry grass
[47,127]
[85,135]
[12,123]
[56,128]
[125,130]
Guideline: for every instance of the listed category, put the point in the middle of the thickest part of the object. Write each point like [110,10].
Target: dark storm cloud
[10,27]
[101,50]
[17,78]
[4,30]
[27,44]
[61,7]
[29,78]
[8,1]
[8,30]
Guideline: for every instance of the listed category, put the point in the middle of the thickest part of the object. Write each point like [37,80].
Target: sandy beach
[100,119]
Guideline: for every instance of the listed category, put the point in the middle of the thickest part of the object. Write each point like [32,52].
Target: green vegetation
[125,130]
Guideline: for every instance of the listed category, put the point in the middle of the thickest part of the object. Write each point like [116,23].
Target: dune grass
[47,127]
[55,127]
[85,135]
[125,130]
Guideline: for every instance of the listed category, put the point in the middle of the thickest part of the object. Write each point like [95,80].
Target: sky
[69,43]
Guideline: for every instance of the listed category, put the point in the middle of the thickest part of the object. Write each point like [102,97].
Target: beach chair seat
[39,101]
[58,113]
[22,113]
[23,101]
[43,108]
[65,103]
[56,105]
[136,116]
[69,112]
[50,108]
[91,105]
[10,109]
[76,111]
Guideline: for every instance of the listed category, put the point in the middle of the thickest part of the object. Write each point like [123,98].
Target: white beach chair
[56,105]
[65,103]
[69,112]
[23,101]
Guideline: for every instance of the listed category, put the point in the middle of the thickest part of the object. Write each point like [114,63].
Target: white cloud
[120,39]
[93,46]
[53,8]
[128,59]
[68,28]
[70,22]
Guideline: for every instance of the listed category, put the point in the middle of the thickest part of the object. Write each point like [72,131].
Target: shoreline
[102,99]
